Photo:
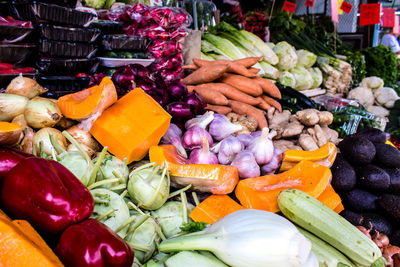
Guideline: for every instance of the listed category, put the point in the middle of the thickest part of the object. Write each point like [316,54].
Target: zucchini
[312,215]
[327,255]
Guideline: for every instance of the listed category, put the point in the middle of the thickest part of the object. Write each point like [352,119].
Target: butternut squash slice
[299,155]
[213,178]
[3,215]
[330,198]
[10,133]
[131,126]
[21,245]
[262,192]
[214,208]
[339,208]
[82,104]
[289,161]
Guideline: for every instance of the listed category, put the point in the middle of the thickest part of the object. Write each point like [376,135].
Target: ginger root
[307,142]
[311,117]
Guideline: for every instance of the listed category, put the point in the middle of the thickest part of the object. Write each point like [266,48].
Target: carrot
[219,109]
[272,102]
[248,61]
[231,93]
[254,70]
[211,96]
[206,74]
[263,105]
[233,67]
[246,85]
[190,67]
[243,108]
[268,87]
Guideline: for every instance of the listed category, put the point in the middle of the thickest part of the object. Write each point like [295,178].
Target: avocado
[377,222]
[357,150]
[343,175]
[387,156]
[391,205]
[360,200]
[374,135]
[353,217]
[394,187]
[395,238]
[372,178]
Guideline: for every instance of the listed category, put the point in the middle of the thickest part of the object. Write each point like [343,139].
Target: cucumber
[312,215]
[327,255]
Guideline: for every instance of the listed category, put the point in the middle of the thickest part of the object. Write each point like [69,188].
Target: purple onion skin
[177,91]
[196,103]
[180,111]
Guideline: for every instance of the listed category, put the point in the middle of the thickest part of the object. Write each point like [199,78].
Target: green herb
[193,227]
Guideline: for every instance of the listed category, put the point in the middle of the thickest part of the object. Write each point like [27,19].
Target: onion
[20,119]
[42,144]
[84,138]
[42,112]
[27,142]
[24,87]
[11,106]
[65,123]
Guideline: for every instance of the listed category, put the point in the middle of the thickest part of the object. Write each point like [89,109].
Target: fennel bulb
[248,238]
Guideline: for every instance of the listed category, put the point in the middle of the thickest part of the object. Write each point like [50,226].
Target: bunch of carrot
[229,86]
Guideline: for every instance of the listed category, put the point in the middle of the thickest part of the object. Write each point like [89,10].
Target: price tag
[289,7]
[310,3]
[334,11]
[388,17]
[346,7]
[370,14]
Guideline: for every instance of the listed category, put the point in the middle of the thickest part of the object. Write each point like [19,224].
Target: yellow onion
[11,106]
[42,112]
[83,138]
[24,87]
[42,144]
[20,119]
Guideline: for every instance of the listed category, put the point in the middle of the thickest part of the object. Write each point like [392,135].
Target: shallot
[221,127]
[230,147]
[262,147]
[246,164]
[24,87]
[173,137]
[193,137]
[203,155]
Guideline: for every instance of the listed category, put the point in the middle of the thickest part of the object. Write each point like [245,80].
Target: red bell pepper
[46,194]
[8,160]
[91,243]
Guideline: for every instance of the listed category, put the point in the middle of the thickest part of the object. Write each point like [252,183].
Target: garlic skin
[221,127]
[202,121]
[229,148]
[173,137]
[203,155]
[193,137]
[262,147]
[246,165]
[274,164]
[245,139]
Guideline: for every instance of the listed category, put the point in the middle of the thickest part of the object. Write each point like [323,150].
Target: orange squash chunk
[82,104]
[131,126]
[330,198]
[339,208]
[214,208]
[262,192]
[213,178]
[10,133]
[21,245]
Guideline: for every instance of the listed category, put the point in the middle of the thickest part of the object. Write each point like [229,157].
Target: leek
[249,238]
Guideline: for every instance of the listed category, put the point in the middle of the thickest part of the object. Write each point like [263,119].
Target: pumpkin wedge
[10,133]
[213,178]
[330,198]
[82,104]
[21,245]
[327,161]
[262,192]
[214,208]
[130,126]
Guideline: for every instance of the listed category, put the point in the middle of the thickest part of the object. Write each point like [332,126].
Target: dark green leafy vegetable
[357,62]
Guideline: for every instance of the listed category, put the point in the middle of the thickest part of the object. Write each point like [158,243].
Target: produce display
[246,153]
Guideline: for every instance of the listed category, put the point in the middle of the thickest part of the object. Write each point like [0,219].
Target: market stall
[128,140]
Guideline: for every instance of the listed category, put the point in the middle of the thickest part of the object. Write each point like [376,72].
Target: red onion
[180,111]
[194,136]
[203,155]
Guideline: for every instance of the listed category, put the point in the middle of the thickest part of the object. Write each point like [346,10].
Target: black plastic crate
[66,49]
[16,53]
[70,66]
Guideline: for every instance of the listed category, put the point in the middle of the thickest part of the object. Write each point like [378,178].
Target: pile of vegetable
[233,86]
[366,175]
